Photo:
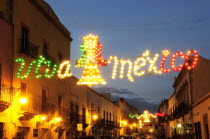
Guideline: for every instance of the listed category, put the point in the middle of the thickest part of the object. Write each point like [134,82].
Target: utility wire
[193,20]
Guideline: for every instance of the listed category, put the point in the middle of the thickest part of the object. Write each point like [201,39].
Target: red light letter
[179,68]
[195,61]
[165,54]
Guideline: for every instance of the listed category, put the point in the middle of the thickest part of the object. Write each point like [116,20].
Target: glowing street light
[43,118]
[58,119]
[23,100]
[124,122]
[95,117]
[179,125]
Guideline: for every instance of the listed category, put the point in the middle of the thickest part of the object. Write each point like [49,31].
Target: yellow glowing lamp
[179,125]
[58,119]
[23,100]
[124,122]
[134,124]
[95,117]
[43,118]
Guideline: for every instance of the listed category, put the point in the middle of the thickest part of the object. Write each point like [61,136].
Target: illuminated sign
[91,59]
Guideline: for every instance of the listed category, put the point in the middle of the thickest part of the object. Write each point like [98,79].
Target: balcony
[29,49]
[182,109]
[28,111]
[6,97]
[78,118]
[110,123]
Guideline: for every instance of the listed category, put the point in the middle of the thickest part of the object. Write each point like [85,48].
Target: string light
[123,62]
[160,114]
[173,60]
[22,66]
[91,76]
[90,59]
[133,116]
[152,62]
[137,66]
[146,116]
[41,60]
[195,59]
[116,61]
[67,72]
[165,54]
[47,70]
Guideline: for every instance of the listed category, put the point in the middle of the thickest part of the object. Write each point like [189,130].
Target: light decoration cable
[116,61]
[160,114]
[173,60]
[90,59]
[195,59]
[67,72]
[23,63]
[123,63]
[39,62]
[145,116]
[165,54]
[43,61]
[138,66]
[152,66]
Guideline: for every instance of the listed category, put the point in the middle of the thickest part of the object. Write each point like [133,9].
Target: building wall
[126,109]
[6,53]
[189,88]
[43,27]
[98,104]
[6,76]
[201,79]
[201,109]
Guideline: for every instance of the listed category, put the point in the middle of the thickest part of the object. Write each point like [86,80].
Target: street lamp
[179,125]
[124,122]
[23,100]
[95,116]
[58,119]
[43,118]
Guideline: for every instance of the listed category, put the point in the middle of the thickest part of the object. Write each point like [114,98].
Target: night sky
[127,28]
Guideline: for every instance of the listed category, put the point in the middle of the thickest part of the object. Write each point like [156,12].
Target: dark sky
[129,27]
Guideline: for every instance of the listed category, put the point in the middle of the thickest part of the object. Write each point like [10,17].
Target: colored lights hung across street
[91,59]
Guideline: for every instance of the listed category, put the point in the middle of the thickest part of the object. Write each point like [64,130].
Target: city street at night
[104,69]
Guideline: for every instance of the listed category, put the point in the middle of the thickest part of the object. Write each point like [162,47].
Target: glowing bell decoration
[91,59]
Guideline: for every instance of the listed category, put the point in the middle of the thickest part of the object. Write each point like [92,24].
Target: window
[104,114]
[98,111]
[60,56]
[59,104]
[83,115]
[77,113]
[24,40]
[59,101]
[45,50]
[23,89]
[72,108]
[107,116]
[44,101]
[206,125]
